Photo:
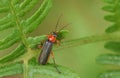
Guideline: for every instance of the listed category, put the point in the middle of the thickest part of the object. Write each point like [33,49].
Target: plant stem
[26,58]
[23,37]
[88,40]
[25,69]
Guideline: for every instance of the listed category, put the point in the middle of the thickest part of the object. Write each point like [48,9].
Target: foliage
[16,20]
[113,6]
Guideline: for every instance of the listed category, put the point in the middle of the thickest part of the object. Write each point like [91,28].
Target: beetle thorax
[52,38]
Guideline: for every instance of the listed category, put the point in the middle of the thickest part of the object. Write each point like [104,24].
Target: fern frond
[110,74]
[20,50]
[8,21]
[15,10]
[34,67]
[14,18]
[4,9]
[109,8]
[26,6]
[11,69]
[9,40]
[16,2]
[109,1]
[33,22]
[113,6]
[113,46]
[7,25]
[109,59]
[5,20]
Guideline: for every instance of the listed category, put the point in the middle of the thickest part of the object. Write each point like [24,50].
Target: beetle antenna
[58,22]
[64,26]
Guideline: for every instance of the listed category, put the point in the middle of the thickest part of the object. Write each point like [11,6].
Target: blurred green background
[86,17]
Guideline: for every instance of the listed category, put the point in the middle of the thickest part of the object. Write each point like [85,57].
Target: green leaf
[109,59]
[110,1]
[16,2]
[5,20]
[20,50]
[34,41]
[113,28]
[26,6]
[109,8]
[9,40]
[110,18]
[6,26]
[113,7]
[11,69]
[113,46]
[19,23]
[4,9]
[110,74]
[49,70]
[14,20]
[33,22]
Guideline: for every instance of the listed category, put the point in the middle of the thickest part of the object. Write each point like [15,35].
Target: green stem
[88,40]
[26,58]
[25,69]
[18,24]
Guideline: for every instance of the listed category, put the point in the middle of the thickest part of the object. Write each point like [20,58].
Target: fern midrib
[26,58]
[25,69]
[23,37]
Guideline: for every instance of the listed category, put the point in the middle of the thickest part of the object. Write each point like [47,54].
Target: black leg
[52,54]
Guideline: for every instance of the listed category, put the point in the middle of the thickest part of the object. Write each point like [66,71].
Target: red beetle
[46,50]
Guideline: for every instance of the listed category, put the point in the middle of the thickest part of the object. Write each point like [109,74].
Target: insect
[46,50]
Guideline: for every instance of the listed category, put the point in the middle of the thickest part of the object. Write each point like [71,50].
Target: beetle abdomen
[45,52]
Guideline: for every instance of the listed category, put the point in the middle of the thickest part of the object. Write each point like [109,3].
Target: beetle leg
[58,42]
[52,54]
[39,46]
